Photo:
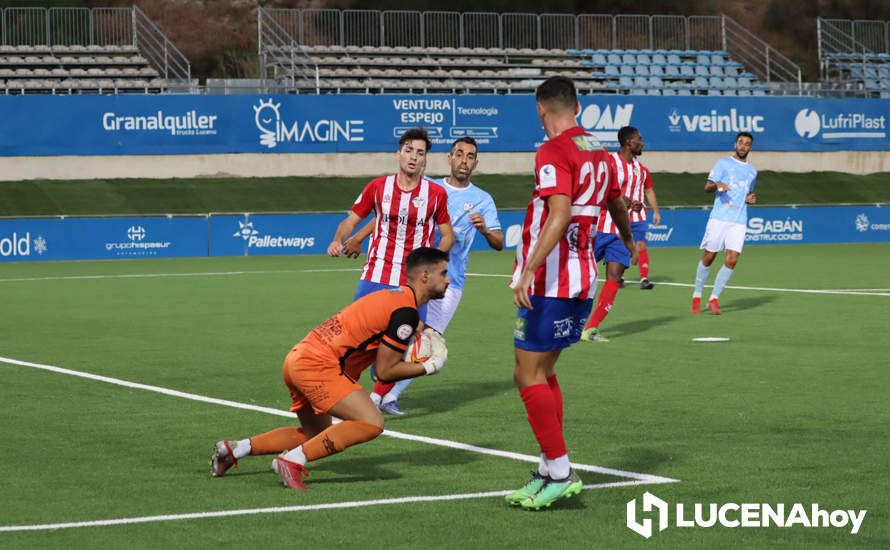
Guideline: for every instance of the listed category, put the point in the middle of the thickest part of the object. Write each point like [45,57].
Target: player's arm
[447,237]
[344,229]
[352,248]
[618,211]
[751,198]
[559,215]
[653,204]
[495,237]
[390,363]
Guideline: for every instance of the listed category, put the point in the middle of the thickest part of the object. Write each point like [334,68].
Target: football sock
[604,304]
[240,448]
[375,399]
[560,468]
[701,277]
[276,441]
[296,455]
[644,264]
[541,409]
[338,437]
[382,388]
[397,390]
[720,283]
[553,383]
[542,466]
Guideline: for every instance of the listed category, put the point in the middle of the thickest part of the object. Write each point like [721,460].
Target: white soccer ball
[420,348]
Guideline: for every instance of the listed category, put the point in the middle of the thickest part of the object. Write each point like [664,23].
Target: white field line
[646,478]
[847,292]
[288,509]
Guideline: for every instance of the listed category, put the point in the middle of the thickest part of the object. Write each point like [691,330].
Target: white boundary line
[646,478]
[287,509]
[846,292]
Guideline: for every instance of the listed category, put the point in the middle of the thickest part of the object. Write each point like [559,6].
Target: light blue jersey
[730,206]
[461,203]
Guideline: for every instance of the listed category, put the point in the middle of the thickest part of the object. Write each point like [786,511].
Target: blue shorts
[554,323]
[611,248]
[638,230]
[367,287]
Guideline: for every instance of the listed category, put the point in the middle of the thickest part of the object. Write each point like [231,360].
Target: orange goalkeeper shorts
[315,380]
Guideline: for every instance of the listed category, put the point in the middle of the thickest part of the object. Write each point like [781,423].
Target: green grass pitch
[793,409]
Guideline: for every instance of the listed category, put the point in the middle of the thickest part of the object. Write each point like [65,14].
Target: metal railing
[838,45]
[853,36]
[95,27]
[281,56]
[517,31]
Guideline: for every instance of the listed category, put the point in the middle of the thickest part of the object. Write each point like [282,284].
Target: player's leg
[617,259]
[639,230]
[735,241]
[711,244]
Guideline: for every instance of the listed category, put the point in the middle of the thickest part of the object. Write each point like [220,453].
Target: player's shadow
[636,327]
[746,303]
[640,459]
[447,397]
[389,466]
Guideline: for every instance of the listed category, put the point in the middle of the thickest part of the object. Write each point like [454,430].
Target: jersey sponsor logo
[404,331]
[547,176]
[761,230]
[20,245]
[519,329]
[562,328]
[273,130]
[715,122]
[184,124]
[417,202]
[249,233]
[603,123]
[810,124]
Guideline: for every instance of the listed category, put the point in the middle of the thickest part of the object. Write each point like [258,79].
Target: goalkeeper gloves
[439,355]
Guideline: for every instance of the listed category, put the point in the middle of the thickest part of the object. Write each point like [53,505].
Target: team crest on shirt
[417,202]
[562,328]
[405,331]
[547,176]
[467,206]
[387,198]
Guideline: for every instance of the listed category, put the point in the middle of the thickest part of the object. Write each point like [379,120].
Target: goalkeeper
[322,373]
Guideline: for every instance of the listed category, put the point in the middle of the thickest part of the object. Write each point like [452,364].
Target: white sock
[241,448]
[542,466]
[559,467]
[296,455]
[375,399]
[388,398]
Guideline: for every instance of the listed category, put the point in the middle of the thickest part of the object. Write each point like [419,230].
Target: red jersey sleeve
[614,190]
[553,176]
[647,184]
[441,200]
[366,201]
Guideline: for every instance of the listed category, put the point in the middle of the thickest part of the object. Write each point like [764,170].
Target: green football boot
[554,490]
[528,490]
[593,335]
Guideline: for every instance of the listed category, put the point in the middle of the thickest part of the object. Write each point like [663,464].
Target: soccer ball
[419,348]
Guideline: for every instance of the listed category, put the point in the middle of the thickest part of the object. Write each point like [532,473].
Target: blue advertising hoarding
[31,239]
[35,125]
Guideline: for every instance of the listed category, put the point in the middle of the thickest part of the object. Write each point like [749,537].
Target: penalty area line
[637,476]
[289,509]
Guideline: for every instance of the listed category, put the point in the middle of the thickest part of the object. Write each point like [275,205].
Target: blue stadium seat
[637,91]
[628,59]
[655,82]
[573,53]
[744,82]
[714,91]
[729,70]
[684,91]
[759,92]
[656,70]
[730,82]
[587,52]
[715,82]
[614,59]
[700,82]
[871,84]
[884,71]
[703,59]
[612,70]
[871,72]
[641,81]
[885,83]
[642,70]
[644,59]
[730,91]
[701,70]
[599,59]
[716,70]
[653,91]
[659,59]
[672,70]
[687,70]
[673,59]
[717,59]
[741,91]
[627,70]
[668,91]
[625,82]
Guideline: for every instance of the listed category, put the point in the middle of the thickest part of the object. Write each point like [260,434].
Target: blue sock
[397,390]
[701,277]
[722,279]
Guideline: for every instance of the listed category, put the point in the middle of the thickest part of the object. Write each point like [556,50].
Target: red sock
[541,409]
[603,305]
[644,264]
[557,397]
[382,388]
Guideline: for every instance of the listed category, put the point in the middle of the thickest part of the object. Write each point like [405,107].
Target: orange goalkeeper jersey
[352,336]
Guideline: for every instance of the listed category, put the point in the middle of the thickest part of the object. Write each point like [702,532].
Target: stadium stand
[854,57]
[319,51]
[81,50]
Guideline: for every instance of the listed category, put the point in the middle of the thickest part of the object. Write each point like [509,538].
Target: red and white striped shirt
[405,220]
[574,164]
[633,178]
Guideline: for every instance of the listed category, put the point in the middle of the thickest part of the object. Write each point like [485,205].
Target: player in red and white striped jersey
[555,277]
[633,178]
[407,206]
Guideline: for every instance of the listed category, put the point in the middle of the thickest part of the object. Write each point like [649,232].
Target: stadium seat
[628,59]
[703,59]
[625,82]
[684,91]
[715,70]
[673,59]
[641,82]
[599,59]
[643,59]
[653,91]
[655,82]
[668,91]
[612,70]
[700,83]
[659,59]
[642,70]
[717,59]
[685,70]
[656,70]
[715,82]
[702,70]
[614,59]
[626,70]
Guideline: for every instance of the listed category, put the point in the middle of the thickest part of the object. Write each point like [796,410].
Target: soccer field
[181,353]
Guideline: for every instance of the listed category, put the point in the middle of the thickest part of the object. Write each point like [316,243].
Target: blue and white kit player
[732,179]
[472,211]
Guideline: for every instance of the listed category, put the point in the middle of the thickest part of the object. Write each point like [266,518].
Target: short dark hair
[624,134]
[744,134]
[466,139]
[558,91]
[424,256]
[412,134]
